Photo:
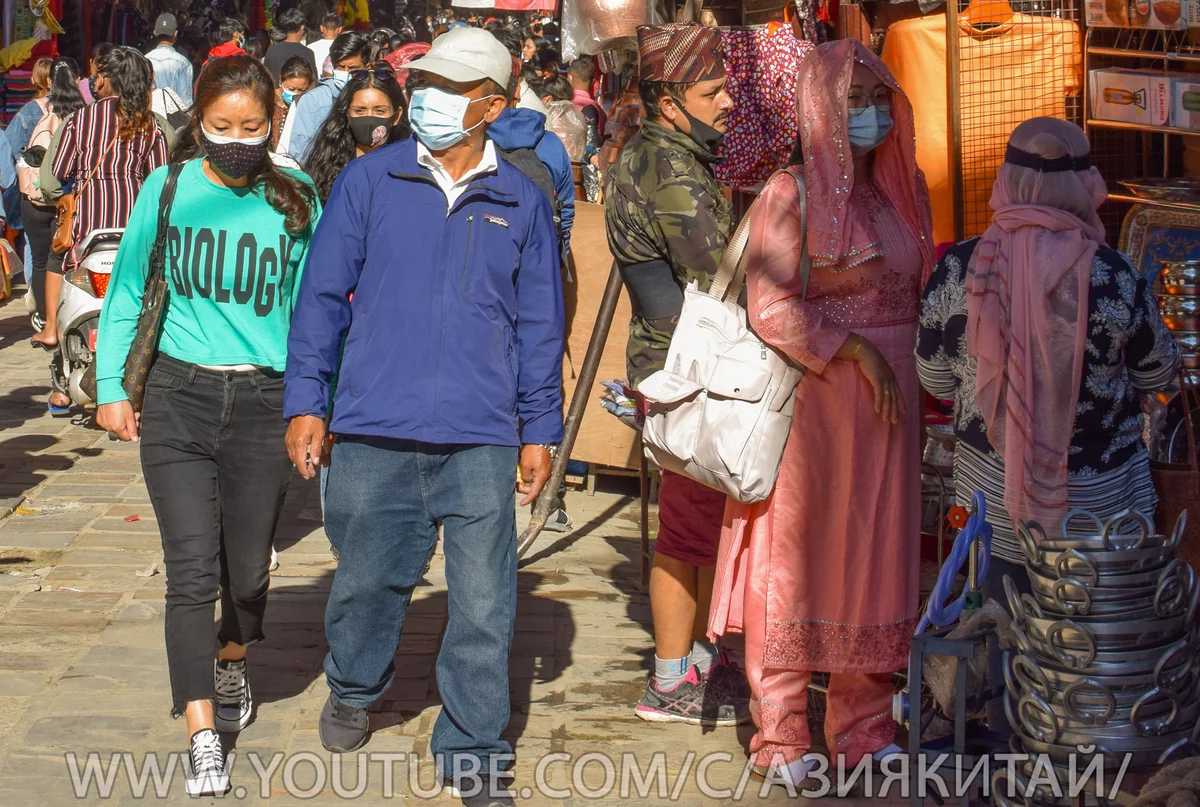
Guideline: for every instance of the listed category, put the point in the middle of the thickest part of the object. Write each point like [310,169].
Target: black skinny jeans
[39,229]
[217,469]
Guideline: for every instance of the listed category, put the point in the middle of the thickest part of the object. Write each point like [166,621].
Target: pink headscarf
[1027,313]
[822,101]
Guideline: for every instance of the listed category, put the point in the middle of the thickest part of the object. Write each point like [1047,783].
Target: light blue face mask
[867,127]
[288,96]
[436,117]
[340,79]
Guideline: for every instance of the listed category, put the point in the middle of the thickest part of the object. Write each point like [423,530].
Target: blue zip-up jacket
[526,129]
[455,332]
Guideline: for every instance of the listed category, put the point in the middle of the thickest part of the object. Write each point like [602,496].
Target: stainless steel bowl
[1164,190]
[1180,277]
[1180,313]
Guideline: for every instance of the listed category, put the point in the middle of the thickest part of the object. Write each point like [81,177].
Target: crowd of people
[337,218]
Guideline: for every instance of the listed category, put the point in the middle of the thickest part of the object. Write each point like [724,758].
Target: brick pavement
[83,669]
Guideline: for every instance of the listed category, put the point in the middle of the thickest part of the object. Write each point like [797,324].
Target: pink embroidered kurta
[824,575]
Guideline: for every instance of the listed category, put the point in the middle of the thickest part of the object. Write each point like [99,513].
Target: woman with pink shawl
[824,575]
[1045,337]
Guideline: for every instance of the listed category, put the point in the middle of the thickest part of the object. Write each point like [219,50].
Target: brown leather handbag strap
[83,183]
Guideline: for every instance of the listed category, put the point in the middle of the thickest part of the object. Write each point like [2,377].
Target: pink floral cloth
[762,67]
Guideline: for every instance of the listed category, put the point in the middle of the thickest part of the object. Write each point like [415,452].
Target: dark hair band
[1026,159]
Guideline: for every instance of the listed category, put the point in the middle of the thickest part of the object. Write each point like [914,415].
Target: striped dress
[1130,352]
[107,200]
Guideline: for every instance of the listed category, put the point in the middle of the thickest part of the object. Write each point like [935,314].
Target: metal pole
[579,402]
[954,111]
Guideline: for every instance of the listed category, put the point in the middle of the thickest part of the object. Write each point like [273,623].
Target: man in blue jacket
[350,52]
[449,380]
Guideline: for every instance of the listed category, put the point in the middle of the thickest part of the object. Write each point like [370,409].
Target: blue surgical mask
[340,79]
[288,96]
[436,117]
[867,127]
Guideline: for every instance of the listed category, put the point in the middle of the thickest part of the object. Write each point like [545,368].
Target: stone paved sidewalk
[83,669]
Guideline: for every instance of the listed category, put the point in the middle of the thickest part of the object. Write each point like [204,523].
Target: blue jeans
[385,500]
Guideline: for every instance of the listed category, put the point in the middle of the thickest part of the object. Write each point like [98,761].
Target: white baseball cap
[467,55]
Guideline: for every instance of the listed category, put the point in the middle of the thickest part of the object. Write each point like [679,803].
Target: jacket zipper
[467,251]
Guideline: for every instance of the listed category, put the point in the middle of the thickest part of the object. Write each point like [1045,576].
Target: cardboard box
[1169,15]
[1131,96]
[1185,103]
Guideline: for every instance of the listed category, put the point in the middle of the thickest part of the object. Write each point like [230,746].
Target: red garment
[582,100]
[689,520]
[227,49]
[403,55]
[762,68]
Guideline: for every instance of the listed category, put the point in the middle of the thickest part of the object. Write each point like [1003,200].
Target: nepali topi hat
[680,53]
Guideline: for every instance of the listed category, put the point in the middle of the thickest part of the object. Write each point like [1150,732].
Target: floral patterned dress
[1129,352]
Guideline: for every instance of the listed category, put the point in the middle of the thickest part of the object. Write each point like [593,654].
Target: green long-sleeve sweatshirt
[232,273]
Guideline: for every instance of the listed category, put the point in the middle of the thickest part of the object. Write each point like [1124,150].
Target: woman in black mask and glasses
[368,114]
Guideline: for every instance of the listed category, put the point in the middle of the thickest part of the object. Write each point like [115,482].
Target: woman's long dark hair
[131,77]
[65,98]
[233,74]
[333,147]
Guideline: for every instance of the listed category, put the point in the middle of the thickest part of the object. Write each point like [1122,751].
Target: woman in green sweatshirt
[212,428]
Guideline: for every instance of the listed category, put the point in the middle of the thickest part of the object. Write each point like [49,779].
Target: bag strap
[731,273]
[84,182]
[166,201]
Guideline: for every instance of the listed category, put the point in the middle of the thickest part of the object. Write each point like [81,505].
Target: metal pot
[1149,753]
[1089,701]
[1038,720]
[1180,313]
[1180,277]
[1094,568]
[1054,638]
[1070,596]
[1125,662]
[1152,715]
[1128,529]
[1172,674]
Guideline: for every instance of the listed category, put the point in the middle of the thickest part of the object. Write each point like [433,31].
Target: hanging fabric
[762,67]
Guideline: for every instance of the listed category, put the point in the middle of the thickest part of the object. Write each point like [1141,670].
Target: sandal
[43,345]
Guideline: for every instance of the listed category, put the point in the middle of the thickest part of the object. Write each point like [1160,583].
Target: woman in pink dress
[824,575]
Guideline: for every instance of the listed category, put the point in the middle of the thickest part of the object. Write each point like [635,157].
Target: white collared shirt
[453,190]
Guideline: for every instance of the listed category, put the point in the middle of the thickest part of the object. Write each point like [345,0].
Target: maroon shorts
[689,520]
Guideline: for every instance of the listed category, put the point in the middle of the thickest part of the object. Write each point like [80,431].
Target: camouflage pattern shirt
[663,204]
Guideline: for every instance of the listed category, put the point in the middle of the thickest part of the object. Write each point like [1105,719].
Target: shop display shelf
[1141,127]
[1129,198]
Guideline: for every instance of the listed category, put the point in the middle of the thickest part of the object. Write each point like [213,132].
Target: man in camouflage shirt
[667,226]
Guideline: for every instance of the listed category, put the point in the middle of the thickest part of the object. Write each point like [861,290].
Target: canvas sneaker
[234,703]
[693,700]
[206,774]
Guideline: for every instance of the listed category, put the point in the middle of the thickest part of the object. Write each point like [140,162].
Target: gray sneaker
[489,795]
[234,703]
[693,701]
[343,728]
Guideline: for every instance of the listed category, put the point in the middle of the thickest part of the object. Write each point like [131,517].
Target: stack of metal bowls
[1179,303]
[1106,642]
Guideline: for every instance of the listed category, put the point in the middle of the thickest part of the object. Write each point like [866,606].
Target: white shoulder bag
[720,412]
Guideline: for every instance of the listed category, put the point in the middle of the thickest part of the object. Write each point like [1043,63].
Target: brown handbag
[68,207]
[1178,483]
[144,348]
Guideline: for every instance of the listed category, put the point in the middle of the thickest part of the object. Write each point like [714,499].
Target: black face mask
[92,86]
[236,159]
[371,130]
[704,136]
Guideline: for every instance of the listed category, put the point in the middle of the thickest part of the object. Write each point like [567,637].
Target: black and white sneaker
[206,774]
[234,704]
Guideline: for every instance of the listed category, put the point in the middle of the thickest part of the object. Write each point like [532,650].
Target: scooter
[79,305]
